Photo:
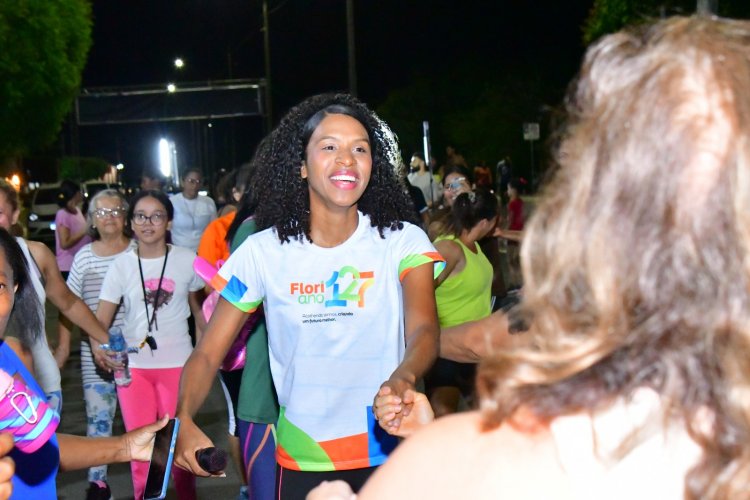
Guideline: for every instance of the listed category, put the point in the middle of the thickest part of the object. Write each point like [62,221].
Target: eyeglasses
[192,180]
[456,184]
[101,213]
[156,218]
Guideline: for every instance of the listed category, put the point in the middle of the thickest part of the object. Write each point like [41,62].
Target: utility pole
[707,7]
[267,62]
[350,45]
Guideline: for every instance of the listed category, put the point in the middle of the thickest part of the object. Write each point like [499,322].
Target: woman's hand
[189,440]
[389,411]
[103,357]
[139,443]
[332,490]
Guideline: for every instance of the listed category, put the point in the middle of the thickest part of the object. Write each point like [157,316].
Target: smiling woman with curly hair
[346,284]
[283,201]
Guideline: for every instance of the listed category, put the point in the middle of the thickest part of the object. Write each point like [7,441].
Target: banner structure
[182,101]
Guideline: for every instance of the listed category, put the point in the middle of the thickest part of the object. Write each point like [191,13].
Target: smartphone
[161,461]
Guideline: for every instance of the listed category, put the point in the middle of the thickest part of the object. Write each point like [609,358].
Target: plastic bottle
[120,348]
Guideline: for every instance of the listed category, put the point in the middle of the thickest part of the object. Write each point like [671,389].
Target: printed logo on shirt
[345,288]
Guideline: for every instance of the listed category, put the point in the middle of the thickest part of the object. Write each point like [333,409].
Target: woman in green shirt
[463,290]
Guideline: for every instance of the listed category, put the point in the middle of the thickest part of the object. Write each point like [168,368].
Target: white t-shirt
[170,331]
[190,219]
[422,181]
[336,332]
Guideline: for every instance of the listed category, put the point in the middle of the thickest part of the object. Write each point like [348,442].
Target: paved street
[72,485]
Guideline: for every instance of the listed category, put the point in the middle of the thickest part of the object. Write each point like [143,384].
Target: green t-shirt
[257,395]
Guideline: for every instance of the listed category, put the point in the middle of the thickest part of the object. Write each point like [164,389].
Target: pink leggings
[152,394]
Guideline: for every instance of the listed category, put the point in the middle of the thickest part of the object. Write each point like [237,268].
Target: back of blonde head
[637,260]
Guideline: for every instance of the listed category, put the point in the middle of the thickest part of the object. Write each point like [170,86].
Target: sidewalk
[72,485]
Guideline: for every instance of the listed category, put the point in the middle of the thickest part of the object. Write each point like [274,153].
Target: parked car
[90,188]
[41,219]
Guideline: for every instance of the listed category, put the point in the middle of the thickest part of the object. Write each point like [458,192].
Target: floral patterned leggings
[101,404]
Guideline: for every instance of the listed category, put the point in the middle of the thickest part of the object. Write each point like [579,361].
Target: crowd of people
[347,319]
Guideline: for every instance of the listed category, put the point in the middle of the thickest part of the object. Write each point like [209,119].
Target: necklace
[152,323]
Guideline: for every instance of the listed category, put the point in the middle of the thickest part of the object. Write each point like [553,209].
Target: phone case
[149,494]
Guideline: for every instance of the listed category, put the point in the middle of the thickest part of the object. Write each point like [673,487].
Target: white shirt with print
[336,332]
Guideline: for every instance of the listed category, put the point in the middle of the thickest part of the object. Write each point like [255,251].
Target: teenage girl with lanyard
[347,289]
[158,289]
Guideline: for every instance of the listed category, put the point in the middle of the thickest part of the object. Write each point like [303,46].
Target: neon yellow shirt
[465,296]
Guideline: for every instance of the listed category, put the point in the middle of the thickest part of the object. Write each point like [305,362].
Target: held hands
[189,440]
[401,416]
[139,443]
[103,357]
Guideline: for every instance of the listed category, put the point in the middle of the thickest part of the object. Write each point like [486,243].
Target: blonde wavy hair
[637,259]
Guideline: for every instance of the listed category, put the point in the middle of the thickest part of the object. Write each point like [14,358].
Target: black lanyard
[152,323]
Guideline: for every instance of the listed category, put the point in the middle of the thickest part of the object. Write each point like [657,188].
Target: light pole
[707,7]
[267,64]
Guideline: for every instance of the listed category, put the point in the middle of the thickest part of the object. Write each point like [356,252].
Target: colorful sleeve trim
[232,291]
[416,260]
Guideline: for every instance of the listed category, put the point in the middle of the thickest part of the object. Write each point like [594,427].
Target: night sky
[136,41]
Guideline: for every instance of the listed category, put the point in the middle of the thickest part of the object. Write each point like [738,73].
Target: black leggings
[295,485]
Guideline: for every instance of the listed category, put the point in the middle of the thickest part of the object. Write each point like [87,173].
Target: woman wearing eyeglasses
[158,289]
[106,218]
[192,211]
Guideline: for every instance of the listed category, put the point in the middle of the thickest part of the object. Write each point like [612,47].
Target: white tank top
[45,367]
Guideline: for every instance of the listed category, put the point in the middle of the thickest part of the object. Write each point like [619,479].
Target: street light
[168,160]
[171,87]
[179,63]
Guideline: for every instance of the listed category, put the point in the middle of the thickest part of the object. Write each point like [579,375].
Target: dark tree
[608,16]
[44,49]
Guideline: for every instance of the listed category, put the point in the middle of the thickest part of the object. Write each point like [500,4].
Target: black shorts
[295,484]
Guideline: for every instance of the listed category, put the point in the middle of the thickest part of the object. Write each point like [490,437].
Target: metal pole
[707,7]
[350,45]
[532,164]
[428,157]
[267,61]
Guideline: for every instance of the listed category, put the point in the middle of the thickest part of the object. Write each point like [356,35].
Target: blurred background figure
[151,180]
[463,290]
[106,216]
[422,212]
[192,211]
[515,224]
[483,176]
[453,158]
[71,230]
[503,175]
[420,177]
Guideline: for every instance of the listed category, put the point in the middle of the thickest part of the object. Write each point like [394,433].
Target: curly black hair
[282,194]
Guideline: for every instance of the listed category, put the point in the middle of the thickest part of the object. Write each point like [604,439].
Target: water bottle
[24,414]
[120,349]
